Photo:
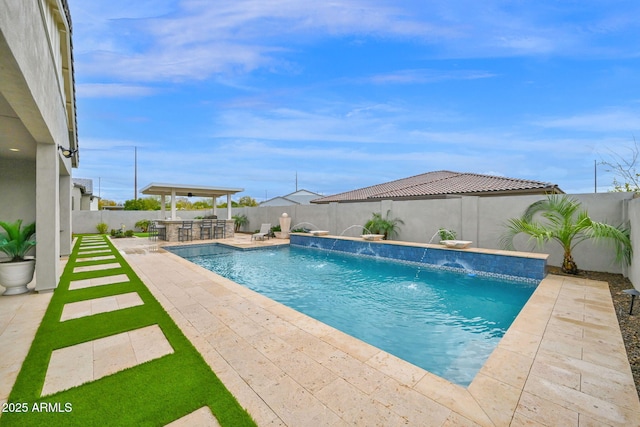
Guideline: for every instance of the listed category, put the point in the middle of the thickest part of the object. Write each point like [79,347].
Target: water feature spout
[353,226]
[434,236]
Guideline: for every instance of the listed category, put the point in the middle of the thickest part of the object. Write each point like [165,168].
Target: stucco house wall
[37,115]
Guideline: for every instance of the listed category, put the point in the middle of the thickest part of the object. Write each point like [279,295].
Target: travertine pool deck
[562,363]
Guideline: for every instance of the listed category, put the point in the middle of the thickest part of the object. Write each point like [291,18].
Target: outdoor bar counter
[171,227]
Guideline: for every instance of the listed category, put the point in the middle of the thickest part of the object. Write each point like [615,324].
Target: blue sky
[351,93]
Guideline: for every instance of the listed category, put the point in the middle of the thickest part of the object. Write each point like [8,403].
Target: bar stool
[219,231]
[162,232]
[205,228]
[185,231]
[153,231]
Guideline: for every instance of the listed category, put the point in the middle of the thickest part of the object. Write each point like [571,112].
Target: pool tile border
[511,266]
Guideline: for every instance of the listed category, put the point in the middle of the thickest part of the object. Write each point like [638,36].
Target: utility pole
[135,173]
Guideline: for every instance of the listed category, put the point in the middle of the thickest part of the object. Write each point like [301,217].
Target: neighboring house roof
[440,184]
[85,185]
[300,197]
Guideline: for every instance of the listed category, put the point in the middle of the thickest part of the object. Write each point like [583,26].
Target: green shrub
[446,234]
[128,233]
[102,228]
[117,233]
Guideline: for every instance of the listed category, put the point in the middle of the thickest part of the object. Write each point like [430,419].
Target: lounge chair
[265,231]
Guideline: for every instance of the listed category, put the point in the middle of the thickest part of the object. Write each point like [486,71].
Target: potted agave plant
[16,272]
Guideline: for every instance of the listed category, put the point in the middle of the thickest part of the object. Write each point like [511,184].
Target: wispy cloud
[610,120]
[197,39]
[336,90]
[112,90]
[427,76]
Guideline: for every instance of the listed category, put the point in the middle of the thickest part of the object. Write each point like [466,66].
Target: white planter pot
[15,276]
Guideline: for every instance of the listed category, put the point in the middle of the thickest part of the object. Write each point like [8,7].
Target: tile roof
[439,184]
[86,184]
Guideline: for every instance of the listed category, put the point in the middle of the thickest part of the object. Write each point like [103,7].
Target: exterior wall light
[67,152]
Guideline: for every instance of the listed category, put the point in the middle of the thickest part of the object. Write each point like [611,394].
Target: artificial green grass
[154,393]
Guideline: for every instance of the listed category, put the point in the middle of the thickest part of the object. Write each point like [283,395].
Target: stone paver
[98,267]
[79,309]
[98,281]
[92,360]
[95,258]
[201,418]
[81,252]
[20,317]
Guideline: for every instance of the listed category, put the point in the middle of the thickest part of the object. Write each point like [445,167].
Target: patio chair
[205,228]
[265,231]
[185,231]
[219,230]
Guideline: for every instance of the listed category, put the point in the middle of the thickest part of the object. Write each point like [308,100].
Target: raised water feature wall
[514,265]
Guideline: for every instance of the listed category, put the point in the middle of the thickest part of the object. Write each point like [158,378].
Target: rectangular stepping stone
[69,367]
[200,417]
[98,281]
[79,309]
[98,251]
[96,258]
[90,361]
[93,247]
[98,267]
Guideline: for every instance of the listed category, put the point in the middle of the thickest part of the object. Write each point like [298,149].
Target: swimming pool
[445,322]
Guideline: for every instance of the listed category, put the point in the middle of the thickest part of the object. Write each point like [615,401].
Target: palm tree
[568,225]
[239,221]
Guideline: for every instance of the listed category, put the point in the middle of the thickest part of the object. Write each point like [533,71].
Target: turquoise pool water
[447,323]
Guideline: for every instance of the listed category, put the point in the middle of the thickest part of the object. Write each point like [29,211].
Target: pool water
[447,323]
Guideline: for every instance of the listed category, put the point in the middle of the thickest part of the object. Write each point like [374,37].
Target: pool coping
[562,362]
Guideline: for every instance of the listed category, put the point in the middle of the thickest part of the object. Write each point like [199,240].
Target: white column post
[65,215]
[228,205]
[215,208]
[163,207]
[173,203]
[47,217]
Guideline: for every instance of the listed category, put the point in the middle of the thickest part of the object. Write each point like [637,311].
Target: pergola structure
[173,190]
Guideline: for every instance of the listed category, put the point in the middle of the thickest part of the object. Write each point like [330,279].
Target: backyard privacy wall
[479,219]
[634,219]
